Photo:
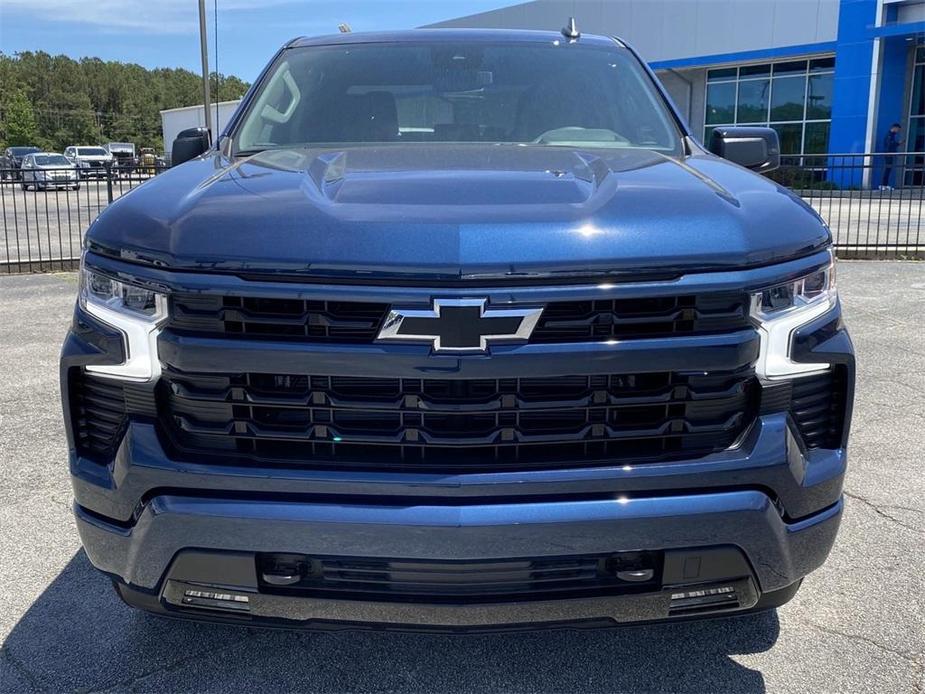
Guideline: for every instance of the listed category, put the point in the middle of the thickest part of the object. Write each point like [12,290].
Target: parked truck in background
[458,329]
[91,161]
[123,155]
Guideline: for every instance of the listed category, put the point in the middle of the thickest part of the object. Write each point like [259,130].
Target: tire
[76,186]
[25,186]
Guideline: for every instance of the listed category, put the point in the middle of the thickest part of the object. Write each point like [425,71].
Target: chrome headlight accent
[136,312]
[780,310]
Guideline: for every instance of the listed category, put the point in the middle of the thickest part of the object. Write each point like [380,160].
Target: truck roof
[443,35]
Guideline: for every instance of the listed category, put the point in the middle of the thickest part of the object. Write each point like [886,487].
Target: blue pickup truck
[456,329]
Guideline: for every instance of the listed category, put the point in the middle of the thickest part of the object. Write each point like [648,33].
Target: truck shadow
[78,636]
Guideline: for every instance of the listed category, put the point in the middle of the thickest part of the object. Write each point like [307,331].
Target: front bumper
[777,553]
[57,182]
[94,172]
[181,505]
[768,499]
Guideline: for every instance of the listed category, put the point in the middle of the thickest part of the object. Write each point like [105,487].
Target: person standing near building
[891,145]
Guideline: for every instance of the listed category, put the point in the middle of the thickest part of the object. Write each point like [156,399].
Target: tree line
[55,101]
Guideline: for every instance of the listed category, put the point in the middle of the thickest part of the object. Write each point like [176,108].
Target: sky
[165,33]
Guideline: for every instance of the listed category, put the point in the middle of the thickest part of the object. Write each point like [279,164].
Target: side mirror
[190,143]
[757,149]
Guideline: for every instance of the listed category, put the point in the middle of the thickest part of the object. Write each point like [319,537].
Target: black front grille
[443,424]
[561,322]
[586,321]
[817,405]
[99,414]
[458,582]
[312,321]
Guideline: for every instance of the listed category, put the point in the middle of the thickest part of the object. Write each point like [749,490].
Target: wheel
[25,186]
[76,186]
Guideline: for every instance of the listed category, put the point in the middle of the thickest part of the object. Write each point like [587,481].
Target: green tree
[92,101]
[18,122]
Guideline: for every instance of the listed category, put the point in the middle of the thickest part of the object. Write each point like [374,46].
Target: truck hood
[457,212]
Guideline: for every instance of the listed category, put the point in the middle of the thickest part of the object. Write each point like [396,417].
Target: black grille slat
[639,318]
[463,581]
[442,424]
[817,406]
[396,437]
[398,401]
[359,323]
[317,321]
[99,412]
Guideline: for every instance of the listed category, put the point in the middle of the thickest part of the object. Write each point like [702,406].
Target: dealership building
[829,75]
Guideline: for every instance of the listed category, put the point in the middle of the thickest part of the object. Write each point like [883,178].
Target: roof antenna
[570,30]
[343,28]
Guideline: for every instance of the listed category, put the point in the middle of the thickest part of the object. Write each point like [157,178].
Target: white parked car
[45,170]
[91,161]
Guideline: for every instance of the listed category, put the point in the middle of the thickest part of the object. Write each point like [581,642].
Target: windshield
[51,160]
[550,94]
[22,151]
[91,152]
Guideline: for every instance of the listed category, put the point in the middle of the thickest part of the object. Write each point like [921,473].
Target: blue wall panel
[854,55]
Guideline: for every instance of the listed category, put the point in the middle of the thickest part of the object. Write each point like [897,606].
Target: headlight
[781,309]
[136,312]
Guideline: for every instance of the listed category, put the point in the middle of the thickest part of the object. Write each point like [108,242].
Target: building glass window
[752,103]
[721,103]
[794,97]
[917,106]
[816,139]
[915,136]
[790,136]
[788,99]
[819,97]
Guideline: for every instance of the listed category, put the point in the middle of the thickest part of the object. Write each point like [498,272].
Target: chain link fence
[872,203]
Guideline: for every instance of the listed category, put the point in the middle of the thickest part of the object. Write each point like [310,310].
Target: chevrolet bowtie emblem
[460,325]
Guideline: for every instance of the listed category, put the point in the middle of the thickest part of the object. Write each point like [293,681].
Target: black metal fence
[872,202]
[45,212]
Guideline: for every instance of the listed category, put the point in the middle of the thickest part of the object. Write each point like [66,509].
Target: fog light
[216,599]
[707,598]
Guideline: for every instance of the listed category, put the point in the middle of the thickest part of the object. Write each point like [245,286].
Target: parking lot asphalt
[857,624]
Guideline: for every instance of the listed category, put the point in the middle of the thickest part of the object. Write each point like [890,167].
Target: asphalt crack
[170,667]
[880,510]
[917,667]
